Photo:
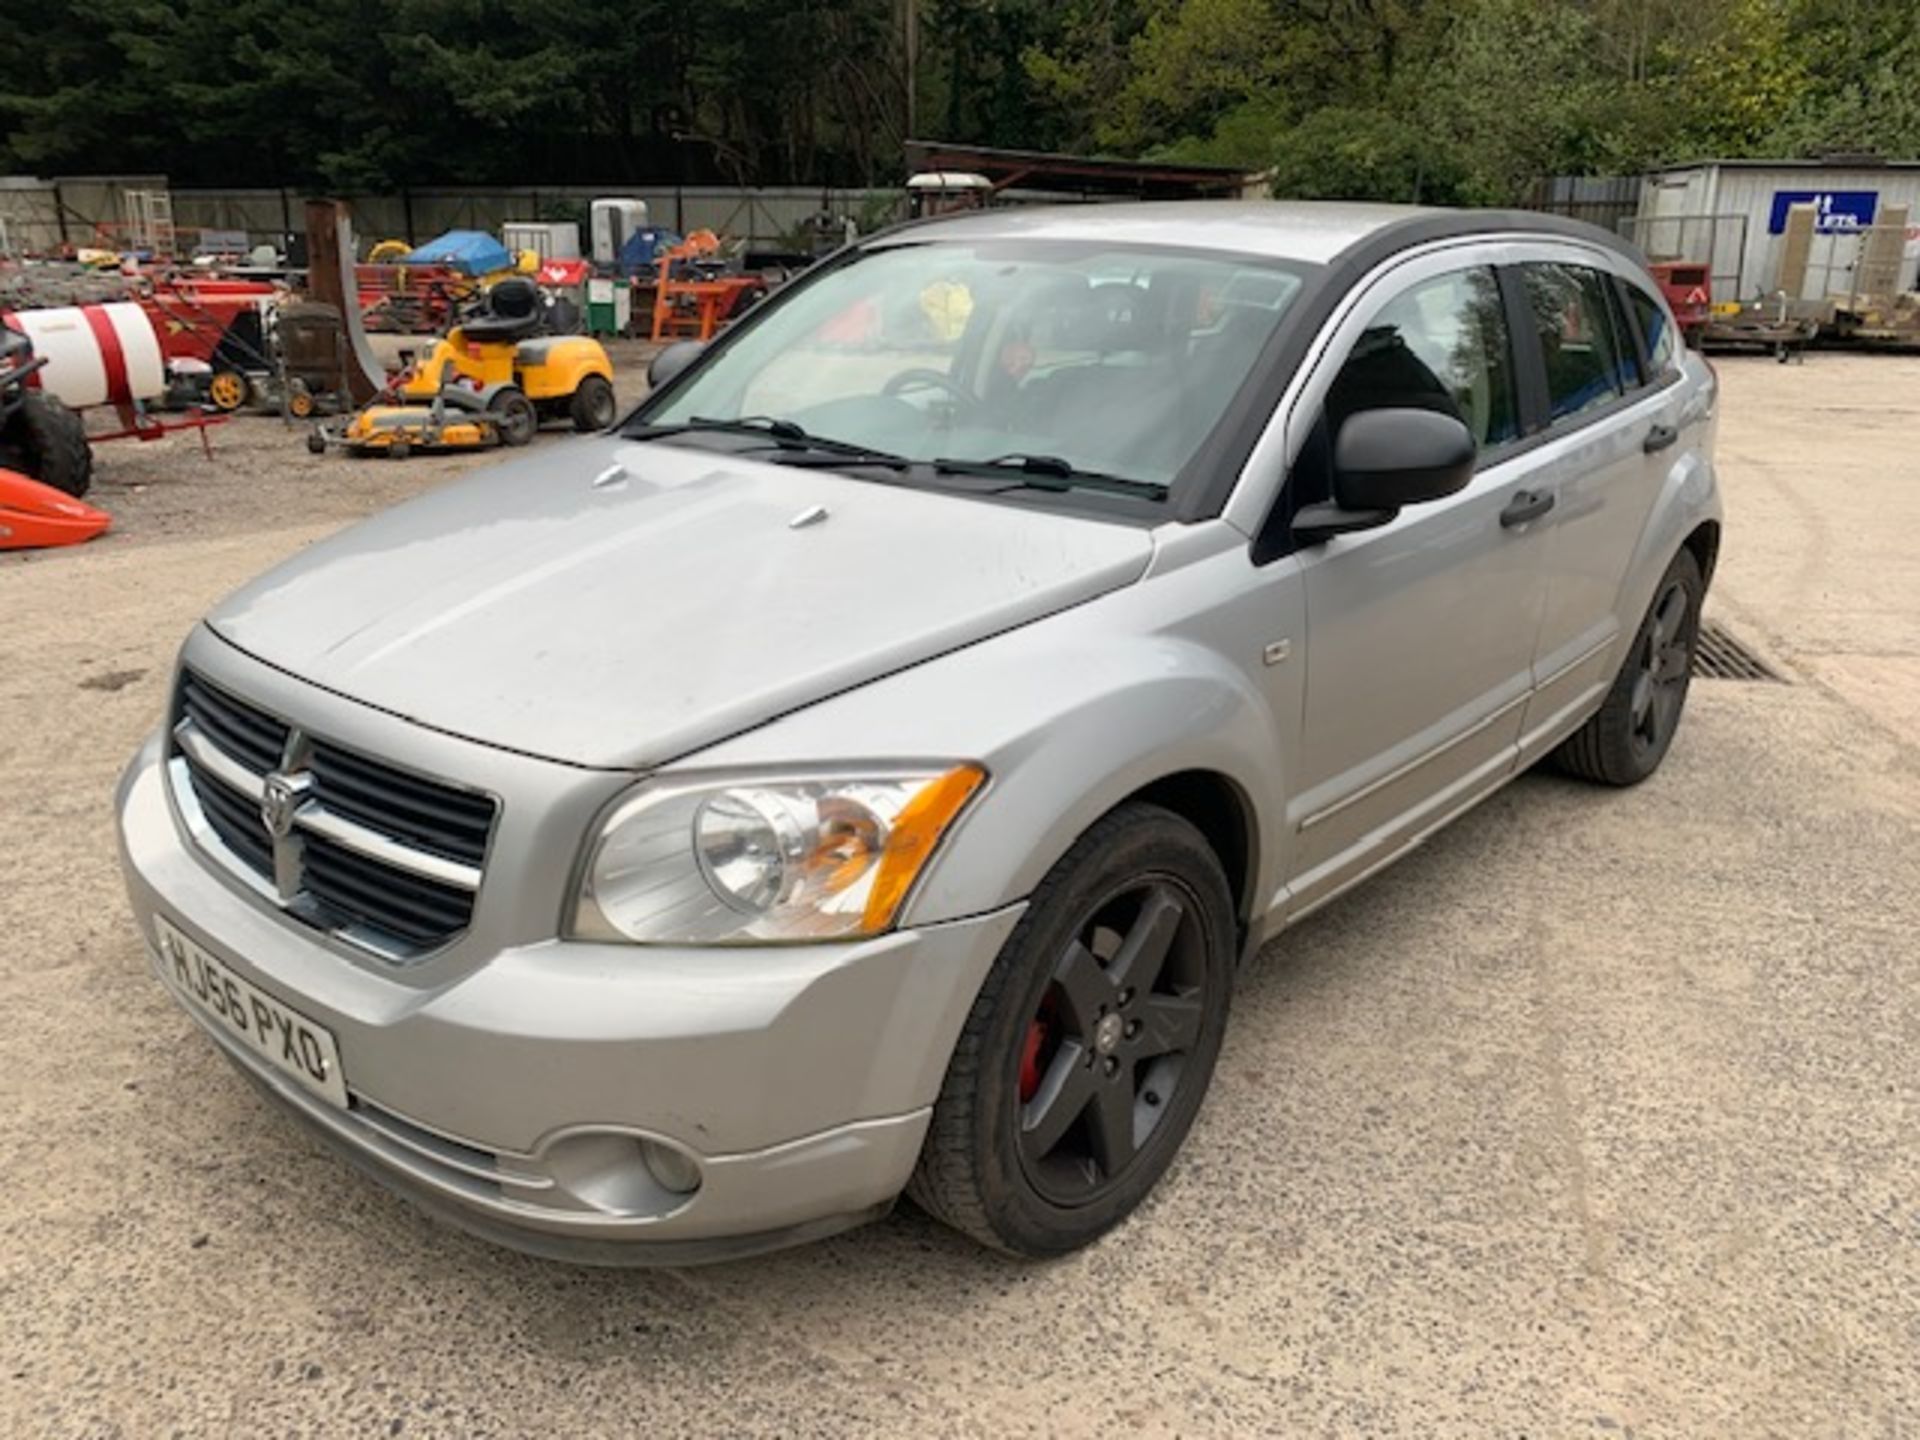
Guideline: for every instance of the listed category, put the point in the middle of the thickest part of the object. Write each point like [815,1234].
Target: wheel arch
[1220,809]
[1704,541]
[1685,516]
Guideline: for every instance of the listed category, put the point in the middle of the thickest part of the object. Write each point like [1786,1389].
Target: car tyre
[1089,1048]
[1628,736]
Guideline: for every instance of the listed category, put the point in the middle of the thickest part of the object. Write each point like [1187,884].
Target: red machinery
[1688,287]
[215,323]
[411,299]
[102,355]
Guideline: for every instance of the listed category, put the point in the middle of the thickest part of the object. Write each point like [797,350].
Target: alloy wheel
[1103,1055]
[1666,656]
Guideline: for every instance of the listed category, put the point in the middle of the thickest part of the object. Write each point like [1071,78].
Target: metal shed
[1732,215]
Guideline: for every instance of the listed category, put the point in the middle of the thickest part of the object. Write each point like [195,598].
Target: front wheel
[1091,1044]
[228,390]
[514,417]
[47,441]
[1629,735]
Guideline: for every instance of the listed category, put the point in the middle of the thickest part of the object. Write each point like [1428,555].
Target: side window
[1589,362]
[1655,329]
[1442,345]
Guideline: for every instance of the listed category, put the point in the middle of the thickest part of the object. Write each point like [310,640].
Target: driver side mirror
[670,362]
[1384,460]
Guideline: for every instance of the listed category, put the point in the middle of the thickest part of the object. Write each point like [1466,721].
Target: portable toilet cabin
[611,222]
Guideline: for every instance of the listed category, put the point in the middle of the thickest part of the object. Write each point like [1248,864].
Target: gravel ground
[1597,1116]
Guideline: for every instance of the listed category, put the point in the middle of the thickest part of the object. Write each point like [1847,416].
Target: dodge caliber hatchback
[865,769]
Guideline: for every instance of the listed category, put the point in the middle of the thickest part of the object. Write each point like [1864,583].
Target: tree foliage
[1443,100]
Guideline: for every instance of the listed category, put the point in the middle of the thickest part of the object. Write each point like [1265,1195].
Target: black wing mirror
[670,362]
[1384,460]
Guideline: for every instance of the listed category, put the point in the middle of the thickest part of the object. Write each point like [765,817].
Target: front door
[1419,633]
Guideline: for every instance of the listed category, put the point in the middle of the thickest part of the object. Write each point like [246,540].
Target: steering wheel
[923,378]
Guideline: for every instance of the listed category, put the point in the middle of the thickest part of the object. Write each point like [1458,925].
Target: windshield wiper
[798,445]
[1050,472]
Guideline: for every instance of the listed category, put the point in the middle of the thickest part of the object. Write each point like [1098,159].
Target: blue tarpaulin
[643,248]
[472,251]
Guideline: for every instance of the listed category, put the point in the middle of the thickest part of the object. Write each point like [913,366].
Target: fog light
[674,1170]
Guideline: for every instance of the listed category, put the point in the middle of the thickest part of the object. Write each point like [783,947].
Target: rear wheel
[1629,735]
[513,416]
[48,442]
[592,407]
[1091,1044]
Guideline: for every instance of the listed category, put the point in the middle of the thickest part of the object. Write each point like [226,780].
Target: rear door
[1612,419]
[1420,633]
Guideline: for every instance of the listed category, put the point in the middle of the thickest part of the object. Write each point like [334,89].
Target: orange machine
[690,300]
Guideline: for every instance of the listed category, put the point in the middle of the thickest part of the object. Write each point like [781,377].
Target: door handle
[1659,438]
[1526,505]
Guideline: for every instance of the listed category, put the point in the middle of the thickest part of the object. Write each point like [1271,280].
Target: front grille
[236,820]
[453,823]
[256,740]
[379,856]
[360,891]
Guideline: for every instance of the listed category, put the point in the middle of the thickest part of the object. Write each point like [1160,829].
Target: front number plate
[278,1034]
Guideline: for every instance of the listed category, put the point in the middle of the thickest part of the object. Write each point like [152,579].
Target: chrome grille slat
[236,821]
[419,911]
[460,833]
[252,738]
[382,858]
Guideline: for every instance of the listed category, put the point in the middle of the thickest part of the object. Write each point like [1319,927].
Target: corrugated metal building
[1732,216]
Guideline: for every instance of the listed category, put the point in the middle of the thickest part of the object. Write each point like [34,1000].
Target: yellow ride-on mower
[491,381]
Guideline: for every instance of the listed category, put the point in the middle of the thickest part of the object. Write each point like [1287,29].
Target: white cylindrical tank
[95,354]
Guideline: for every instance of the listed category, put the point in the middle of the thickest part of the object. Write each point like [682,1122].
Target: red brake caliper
[1037,1031]
[1030,1060]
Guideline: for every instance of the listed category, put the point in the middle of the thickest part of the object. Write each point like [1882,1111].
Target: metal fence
[1609,201]
[41,215]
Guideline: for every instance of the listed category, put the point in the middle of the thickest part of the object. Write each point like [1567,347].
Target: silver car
[865,769]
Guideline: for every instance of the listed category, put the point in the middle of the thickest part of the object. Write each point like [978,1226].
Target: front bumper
[513,1096]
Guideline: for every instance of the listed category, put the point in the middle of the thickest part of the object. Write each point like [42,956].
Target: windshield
[1114,360]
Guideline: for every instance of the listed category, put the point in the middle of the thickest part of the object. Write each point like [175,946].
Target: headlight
[746,861]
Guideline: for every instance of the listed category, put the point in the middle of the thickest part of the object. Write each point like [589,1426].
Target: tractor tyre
[48,442]
[592,405]
[514,417]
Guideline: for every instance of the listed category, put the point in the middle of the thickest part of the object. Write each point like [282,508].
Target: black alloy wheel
[1103,1055]
[1624,741]
[1665,656]
[1086,1054]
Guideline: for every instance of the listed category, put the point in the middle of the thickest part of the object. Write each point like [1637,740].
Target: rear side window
[1589,362]
[1655,330]
[1441,345]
